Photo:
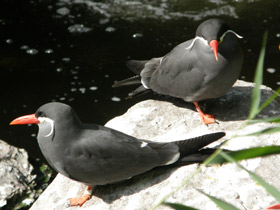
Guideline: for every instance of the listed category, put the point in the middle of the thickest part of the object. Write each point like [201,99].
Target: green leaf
[220,203]
[268,120]
[269,188]
[178,206]
[269,100]
[245,154]
[256,93]
[264,131]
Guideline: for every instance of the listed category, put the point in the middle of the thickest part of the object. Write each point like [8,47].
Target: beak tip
[27,119]
[13,122]
[214,45]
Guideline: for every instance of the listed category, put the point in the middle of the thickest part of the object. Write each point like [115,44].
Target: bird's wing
[143,68]
[180,73]
[105,156]
[147,72]
[136,66]
[189,146]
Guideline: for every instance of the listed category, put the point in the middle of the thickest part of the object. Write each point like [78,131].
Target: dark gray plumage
[97,155]
[190,71]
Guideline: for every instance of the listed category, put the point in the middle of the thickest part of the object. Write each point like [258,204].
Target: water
[61,51]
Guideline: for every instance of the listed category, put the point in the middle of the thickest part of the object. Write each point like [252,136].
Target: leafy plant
[220,156]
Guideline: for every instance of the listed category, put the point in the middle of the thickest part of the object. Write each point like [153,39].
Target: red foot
[277,206]
[206,118]
[79,201]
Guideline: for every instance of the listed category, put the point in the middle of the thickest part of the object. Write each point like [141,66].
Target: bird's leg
[79,201]
[277,206]
[206,118]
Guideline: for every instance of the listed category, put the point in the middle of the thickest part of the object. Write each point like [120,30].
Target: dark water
[73,53]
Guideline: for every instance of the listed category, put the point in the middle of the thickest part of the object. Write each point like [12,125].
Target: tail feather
[144,71]
[139,91]
[136,66]
[190,146]
[198,157]
[136,80]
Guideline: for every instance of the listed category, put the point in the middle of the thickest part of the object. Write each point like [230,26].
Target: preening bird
[201,68]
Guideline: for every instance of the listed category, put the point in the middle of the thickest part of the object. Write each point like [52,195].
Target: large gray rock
[15,174]
[173,120]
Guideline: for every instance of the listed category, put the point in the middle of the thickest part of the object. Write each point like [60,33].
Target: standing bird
[204,67]
[97,155]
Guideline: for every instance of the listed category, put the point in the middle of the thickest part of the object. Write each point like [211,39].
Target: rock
[21,180]
[172,119]
[15,174]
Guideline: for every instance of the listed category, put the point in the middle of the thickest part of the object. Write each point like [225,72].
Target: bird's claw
[79,201]
[207,118]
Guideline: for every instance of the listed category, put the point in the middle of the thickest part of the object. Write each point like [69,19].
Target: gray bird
[97,155]
[204,67]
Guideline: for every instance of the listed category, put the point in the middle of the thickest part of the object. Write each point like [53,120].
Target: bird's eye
[40,114]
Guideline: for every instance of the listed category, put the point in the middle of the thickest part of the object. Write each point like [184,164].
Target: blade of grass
[269,100]
[220,203]
[269,120]
[178,206]
[245,154]
[256,93]
[184,182]
[264,131]
[269,188]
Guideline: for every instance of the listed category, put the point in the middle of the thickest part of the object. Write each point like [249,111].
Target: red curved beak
[27,119]
[214,45]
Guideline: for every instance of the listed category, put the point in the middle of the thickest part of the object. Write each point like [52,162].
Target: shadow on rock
[111,192]
[234,106]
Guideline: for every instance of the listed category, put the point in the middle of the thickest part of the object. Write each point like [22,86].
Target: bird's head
[47,115]
[212,32]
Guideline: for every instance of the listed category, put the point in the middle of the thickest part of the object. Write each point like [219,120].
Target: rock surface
[15,174]
[173,119]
